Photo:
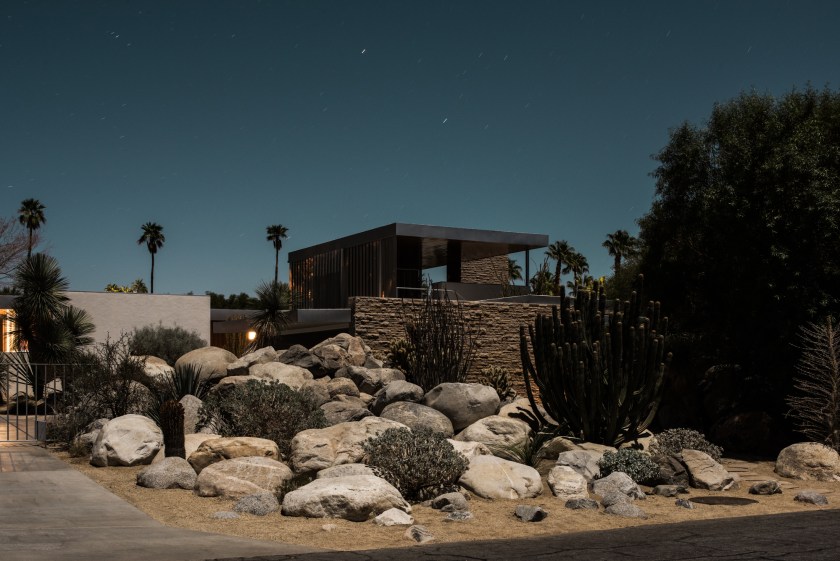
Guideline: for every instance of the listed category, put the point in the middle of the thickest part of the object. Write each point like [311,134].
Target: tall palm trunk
[276,262]
[152,291]
[617,264]
[557,278]
[29,251]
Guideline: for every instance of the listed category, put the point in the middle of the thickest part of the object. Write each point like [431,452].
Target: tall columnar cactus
[598,370]
[172,425]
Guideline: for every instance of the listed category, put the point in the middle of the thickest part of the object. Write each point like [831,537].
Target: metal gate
[30,396]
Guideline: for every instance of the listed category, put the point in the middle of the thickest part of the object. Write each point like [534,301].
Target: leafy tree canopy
[743,237]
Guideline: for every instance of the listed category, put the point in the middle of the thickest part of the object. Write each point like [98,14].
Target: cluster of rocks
[361,399]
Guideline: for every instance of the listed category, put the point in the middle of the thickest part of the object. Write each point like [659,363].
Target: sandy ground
[492,519]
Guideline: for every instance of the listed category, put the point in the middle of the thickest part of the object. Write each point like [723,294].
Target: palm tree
[576,264]
[270,320]
[44,324]
[31,215]
[620,244]
[541,282]
[154,239]
[514,270]
[560,251]
[276,235]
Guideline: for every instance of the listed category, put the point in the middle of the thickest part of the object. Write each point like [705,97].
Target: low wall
[380,320]
[116,313]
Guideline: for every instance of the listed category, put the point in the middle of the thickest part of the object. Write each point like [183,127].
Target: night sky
[217,119]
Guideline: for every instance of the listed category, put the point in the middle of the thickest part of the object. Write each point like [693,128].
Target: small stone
[258,504]
[769,487]
[582,504]
[620,482]
[528,513]
[394,517]
[668,490]
[458,516]
[449,502]
[811,497]
[685,503]
[328,527]
[419,534]
[225,515]
[627,510]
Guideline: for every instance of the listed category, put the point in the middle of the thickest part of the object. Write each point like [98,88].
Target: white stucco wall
[116,313]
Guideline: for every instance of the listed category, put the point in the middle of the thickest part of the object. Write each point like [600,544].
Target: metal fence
[30,397]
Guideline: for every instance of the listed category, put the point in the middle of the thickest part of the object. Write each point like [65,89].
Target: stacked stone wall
[380,320]
[491,270]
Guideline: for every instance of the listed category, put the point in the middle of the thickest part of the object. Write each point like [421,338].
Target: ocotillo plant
[172,425]
[598,371]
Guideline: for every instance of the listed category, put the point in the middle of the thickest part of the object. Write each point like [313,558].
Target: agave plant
[185,380]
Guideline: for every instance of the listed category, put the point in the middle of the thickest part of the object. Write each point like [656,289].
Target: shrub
[419,463]
[263,410]
[168,343]
[634,463]
[816,408]
[673,441]
[498,379]
[441,345]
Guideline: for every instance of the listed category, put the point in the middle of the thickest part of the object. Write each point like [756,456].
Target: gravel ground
[492,519]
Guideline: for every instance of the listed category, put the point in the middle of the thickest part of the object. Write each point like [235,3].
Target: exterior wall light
[252,335]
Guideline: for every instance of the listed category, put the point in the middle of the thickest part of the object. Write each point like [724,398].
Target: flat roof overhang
[434,242]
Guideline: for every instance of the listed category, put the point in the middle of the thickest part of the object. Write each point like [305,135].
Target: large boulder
[293,376]
[129,440]
[169,473]
[370,380]
[415,415]
[340,351]
[353,497]
[566,484]
[154,370]
[240,366]
[585,462]
[499,434]
[809,461]
[243,476]
[470,450]
[298,355]
[342,386]
[521,409]
[462,403]
[344,470]
[191,444]
[219,449]
[317,390]
[397,390]
[491,477]
[345,410]
[212,362]
[317,449]
[192,407]
[704,472]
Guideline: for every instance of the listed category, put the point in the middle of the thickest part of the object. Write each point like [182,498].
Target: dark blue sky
[216,119]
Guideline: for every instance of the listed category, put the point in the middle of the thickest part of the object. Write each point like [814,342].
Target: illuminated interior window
[5,331]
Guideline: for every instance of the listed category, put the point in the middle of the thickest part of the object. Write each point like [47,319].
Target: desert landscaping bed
[493,519]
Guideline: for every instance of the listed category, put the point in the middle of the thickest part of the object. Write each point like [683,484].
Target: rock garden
[329,446]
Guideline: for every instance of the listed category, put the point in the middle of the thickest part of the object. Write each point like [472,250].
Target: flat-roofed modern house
[389,262]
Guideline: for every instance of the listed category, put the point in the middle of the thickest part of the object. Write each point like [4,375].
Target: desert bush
[419,463]
[441,344]
[168,343]
[634,463]
[498,379]
[816,407]
[263,410]
[673,441]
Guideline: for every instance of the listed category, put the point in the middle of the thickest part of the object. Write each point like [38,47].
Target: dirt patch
[492,519]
